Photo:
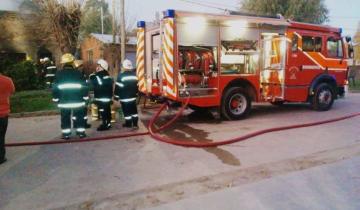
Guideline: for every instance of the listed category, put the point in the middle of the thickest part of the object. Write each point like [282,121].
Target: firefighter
[79,65]
[71,94]
[103,92]
[126,91]
[49,71]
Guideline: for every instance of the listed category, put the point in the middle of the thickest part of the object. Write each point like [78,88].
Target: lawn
[356,87]
[32,101]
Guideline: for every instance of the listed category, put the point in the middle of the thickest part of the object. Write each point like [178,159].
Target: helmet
[104,65]
[67,58]
[127,65]
[78,63]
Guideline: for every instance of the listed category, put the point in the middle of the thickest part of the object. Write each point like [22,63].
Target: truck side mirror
[348,39]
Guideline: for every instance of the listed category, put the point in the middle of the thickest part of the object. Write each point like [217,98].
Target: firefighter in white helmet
[126,91]
[103,93]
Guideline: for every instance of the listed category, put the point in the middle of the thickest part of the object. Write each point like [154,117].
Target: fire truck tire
[323,98]
[236,104]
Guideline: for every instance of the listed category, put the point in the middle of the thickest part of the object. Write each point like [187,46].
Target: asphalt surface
[140,173]
[332,186]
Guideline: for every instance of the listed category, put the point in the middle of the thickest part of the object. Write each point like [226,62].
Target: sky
[343,13]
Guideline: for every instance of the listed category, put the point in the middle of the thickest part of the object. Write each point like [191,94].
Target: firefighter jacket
[70,89]
[126,88]
[102,85]
[49,73]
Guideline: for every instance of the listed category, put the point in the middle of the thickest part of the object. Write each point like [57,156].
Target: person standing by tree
[7,88]
[49,72]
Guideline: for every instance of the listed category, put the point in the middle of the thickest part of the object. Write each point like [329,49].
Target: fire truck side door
[301,67]
[273,67]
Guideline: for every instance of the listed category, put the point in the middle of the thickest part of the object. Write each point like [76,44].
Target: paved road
[138,173]
[332,186]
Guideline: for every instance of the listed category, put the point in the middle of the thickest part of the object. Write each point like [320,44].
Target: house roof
[108,39]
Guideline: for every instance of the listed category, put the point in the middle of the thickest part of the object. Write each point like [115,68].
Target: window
[294,41]
[334,48]
[90,56]
[311,44]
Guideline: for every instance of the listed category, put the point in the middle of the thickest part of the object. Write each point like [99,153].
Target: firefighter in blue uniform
[103,92]
[70,93]
[126,91]
[49,72]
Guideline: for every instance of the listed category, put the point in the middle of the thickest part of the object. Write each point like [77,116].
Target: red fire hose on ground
[186,143]
[154,132]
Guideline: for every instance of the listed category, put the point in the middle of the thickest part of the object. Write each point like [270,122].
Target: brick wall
[100,50]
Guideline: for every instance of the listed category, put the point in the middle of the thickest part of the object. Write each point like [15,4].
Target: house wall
[91,50]
[100,50]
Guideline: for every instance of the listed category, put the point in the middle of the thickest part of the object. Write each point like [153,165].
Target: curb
[34,114]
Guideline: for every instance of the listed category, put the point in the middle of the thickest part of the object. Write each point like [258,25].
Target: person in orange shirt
[7,88]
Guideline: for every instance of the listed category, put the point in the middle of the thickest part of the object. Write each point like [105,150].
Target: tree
[91,19]
[310,11]
[56,21]
[356,43]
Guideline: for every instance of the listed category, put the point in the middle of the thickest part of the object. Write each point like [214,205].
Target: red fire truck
[229,61]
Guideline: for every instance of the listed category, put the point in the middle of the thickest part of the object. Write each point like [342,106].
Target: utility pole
[113,46]
[113,22]
[122,30]
[102,19]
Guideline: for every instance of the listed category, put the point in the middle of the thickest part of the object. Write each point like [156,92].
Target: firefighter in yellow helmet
[71,94]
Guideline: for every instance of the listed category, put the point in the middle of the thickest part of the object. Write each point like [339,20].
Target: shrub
[24,76]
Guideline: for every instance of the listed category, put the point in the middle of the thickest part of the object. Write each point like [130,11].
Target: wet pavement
[138,172]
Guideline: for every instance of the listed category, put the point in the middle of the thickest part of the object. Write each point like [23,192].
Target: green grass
[32,101]
[356,87]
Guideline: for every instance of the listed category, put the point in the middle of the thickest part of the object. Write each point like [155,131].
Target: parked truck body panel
[256,58]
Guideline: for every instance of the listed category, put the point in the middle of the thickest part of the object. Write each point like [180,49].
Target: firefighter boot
[106,125]
[66,136]
[135,120]
[81,135]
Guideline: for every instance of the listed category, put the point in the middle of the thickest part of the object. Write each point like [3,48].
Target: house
[15,42]
[97,46]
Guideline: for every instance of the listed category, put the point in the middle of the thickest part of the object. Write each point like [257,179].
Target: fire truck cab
[230,61]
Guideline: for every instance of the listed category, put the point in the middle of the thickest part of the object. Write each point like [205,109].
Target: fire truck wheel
[236,104]
[323,98]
